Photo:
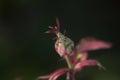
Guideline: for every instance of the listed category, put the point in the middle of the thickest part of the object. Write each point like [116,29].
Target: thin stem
[70,66]
[70,75]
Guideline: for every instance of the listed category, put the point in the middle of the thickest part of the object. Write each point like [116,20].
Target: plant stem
[70,66]
[70,75]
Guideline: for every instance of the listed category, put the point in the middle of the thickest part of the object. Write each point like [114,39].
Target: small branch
[70,75]
[70,66]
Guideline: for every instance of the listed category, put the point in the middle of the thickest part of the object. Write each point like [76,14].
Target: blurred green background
[26,52]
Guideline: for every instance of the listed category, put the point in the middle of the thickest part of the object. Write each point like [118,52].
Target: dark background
[26,52]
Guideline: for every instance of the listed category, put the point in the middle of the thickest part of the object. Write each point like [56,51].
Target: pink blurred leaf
[58,73]
[90,62]
[43,77]
[90,43]
[54,75]
[57,23]
[52,30]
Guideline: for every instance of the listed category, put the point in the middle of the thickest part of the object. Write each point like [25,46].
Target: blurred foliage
[26,52]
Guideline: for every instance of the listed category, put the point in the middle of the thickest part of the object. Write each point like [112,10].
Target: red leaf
[90,62]
[58,73]
[58,23]
[90,43]
[54,75]
[43,77]
[52,30]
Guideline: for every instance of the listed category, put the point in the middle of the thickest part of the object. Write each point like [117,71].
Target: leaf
[90,62]
[58,73]
[54,75]
[52,30]
[57,23]
[90,43]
